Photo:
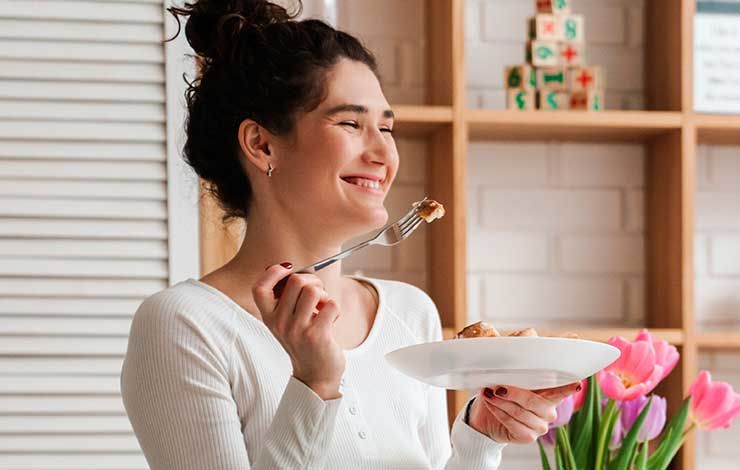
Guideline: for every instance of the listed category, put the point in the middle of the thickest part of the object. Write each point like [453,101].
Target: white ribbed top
[207,386]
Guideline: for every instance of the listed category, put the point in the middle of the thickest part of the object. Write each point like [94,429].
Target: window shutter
[97,212]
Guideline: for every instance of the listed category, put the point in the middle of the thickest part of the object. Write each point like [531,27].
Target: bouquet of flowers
[609,424]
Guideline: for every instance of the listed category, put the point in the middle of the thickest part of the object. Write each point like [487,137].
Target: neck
[267,243]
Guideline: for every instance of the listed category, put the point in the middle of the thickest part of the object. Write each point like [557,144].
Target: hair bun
[212,25]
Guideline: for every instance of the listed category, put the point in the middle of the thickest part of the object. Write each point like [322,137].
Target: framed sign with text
[717,57]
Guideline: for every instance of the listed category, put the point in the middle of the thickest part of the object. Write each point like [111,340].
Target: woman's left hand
[514,415]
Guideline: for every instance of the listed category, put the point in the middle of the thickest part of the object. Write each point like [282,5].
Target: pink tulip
[580,396]
[634,374]
[713,404]
[666,355]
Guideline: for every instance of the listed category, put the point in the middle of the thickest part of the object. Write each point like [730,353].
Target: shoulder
[412,306]
[184,310]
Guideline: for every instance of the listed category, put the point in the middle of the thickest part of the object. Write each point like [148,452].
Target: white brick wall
[556,230]
[717,258]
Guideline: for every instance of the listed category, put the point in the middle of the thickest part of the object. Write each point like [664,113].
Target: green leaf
[584,426]
[642,457]
[611,413]
[672,441]
[543,456]
[559,464]
[598,417]
[567,452]
[626,451]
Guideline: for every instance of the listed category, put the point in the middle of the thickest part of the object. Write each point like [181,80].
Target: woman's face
[339,165]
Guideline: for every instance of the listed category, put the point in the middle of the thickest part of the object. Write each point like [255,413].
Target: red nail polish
[501,391]
[286,265]
[488,392]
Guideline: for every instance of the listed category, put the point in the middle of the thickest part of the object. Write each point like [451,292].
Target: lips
[363,182]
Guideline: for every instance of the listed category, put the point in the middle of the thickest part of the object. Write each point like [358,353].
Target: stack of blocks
[556,76]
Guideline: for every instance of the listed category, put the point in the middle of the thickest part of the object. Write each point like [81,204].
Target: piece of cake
[429,209]
[478,330]
[524,332]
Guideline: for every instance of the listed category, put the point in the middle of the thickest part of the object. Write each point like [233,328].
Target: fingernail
[501,391]
[286,265]
[578,388]
[488,392]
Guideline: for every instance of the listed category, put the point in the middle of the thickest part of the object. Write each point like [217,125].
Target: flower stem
[607,424]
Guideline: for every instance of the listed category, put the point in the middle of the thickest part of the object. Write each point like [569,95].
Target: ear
[255,142]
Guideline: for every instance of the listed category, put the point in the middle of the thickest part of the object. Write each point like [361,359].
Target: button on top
[353,410]
[362,434]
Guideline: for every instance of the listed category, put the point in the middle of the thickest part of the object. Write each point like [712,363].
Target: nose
[379,150]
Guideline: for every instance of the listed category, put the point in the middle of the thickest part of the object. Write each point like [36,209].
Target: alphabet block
[553,100]
[553,6]
[552,78]
[572,28]
[521,100]
[571,54]
[544,53]
[520,77]
[545,27]
[588,100]
[586,78]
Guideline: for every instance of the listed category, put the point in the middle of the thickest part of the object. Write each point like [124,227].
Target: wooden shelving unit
[669,129]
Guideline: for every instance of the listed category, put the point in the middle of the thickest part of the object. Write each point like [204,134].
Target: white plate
[526,362]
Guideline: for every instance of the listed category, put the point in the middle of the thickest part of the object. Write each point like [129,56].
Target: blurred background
[97,211]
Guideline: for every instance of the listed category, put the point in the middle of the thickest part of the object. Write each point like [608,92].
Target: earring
[269,170]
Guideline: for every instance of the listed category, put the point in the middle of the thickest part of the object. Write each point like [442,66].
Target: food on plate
[524,332]
[478,330]
[482,329]
[429,209]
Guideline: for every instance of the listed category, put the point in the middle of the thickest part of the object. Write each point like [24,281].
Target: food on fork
[429,209]
[478,330]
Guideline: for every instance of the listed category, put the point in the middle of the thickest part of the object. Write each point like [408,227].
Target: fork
[390,235]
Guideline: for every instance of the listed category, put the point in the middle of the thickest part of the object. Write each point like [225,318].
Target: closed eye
[355,125]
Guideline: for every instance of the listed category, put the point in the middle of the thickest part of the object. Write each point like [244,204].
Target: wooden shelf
[718,340]
[570,125]
[420,121]
[717,129]
[672,335]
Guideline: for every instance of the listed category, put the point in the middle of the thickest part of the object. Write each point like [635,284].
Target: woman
[289,125]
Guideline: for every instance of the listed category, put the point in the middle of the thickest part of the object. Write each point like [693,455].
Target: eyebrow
[356,108]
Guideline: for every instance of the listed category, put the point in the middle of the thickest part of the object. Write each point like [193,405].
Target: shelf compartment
[420,121]
[718,340]
[718,129]
[570,125]
[672,335]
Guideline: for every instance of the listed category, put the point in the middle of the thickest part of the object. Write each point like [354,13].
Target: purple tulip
[654,421]
[564,412]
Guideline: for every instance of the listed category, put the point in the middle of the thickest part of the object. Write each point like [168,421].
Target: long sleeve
[176,391]
[465,448]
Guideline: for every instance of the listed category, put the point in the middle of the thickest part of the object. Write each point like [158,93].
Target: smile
[365,183]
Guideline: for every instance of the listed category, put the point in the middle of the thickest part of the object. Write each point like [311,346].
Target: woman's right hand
[301,320]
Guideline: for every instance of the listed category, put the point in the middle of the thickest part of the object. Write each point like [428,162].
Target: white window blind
[97,211]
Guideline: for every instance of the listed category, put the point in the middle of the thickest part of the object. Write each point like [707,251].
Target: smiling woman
[289,126]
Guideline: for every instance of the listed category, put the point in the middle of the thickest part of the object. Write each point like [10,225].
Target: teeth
[364,183]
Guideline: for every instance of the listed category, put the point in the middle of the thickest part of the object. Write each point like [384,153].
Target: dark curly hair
[256,62]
